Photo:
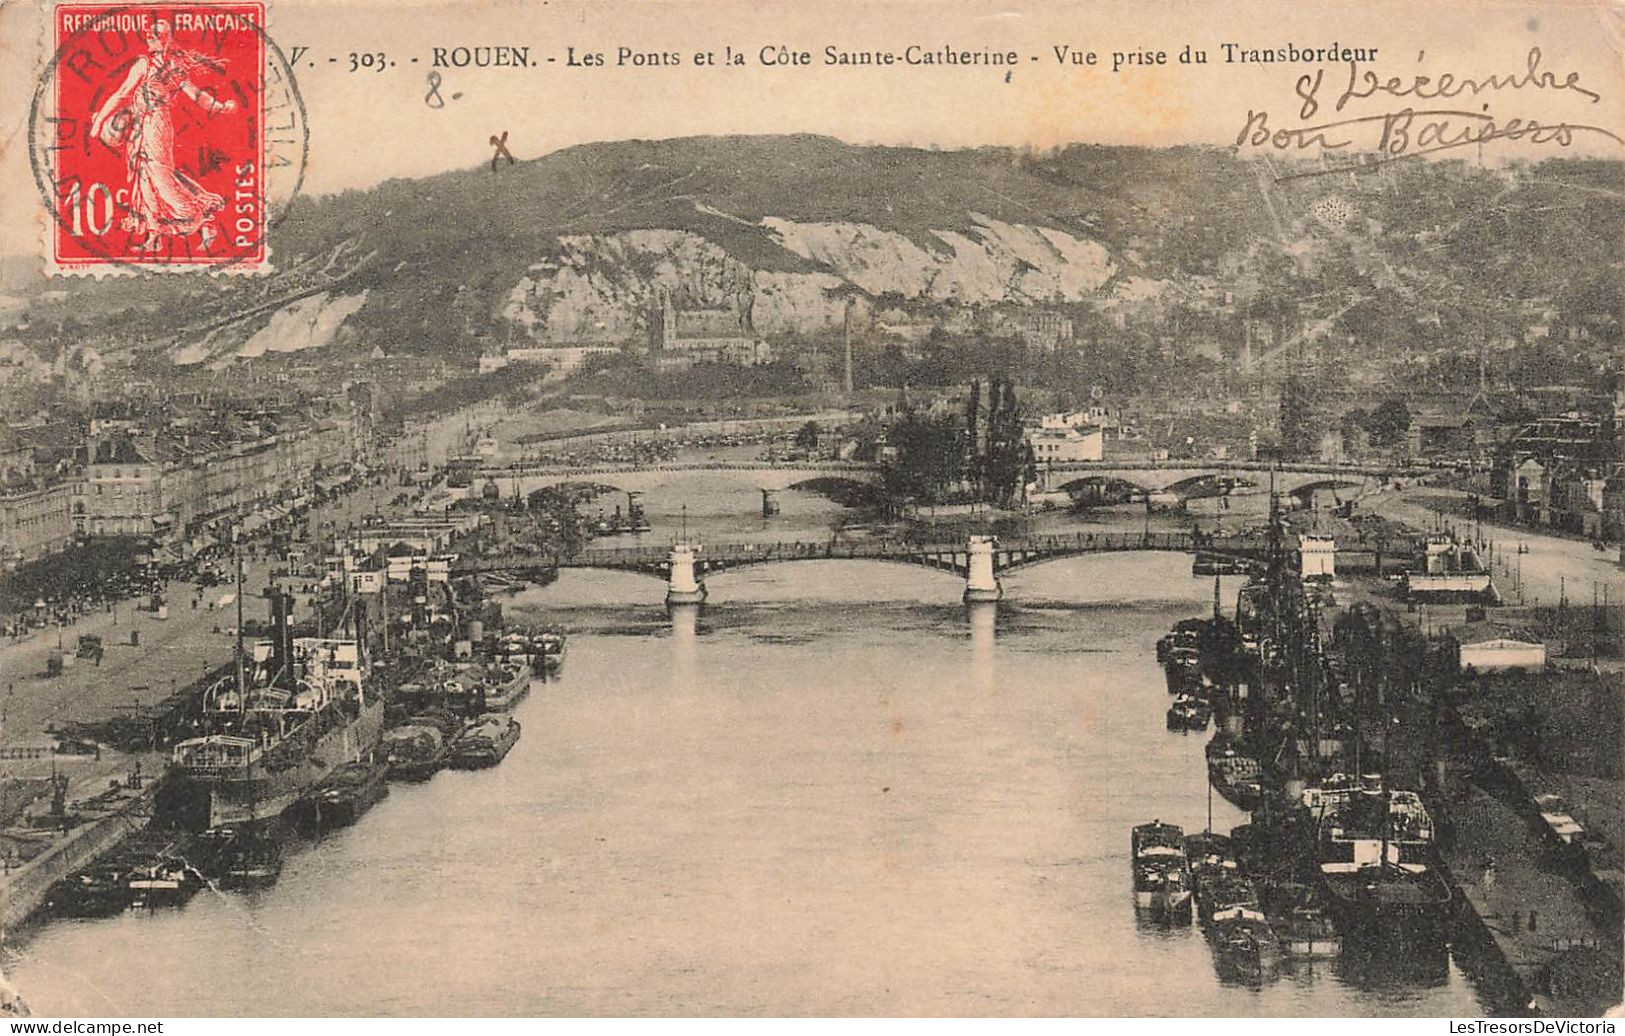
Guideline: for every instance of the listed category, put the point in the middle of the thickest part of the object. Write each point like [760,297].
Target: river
[833,791]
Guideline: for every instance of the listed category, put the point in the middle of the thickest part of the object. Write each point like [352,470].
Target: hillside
[579,244]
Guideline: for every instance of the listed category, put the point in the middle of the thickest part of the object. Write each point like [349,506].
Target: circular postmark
[165,136]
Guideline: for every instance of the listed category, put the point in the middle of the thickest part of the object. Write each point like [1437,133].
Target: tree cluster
[983,457]
[929,458]
[1000,460]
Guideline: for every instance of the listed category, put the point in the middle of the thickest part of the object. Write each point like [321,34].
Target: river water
[832,791]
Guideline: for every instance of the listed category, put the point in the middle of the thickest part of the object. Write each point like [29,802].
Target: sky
[368,125]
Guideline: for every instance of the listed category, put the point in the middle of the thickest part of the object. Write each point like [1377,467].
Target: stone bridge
[642,478]
[979,561]
[1107,479]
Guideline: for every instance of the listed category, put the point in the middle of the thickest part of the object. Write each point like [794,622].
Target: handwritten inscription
[1463,119]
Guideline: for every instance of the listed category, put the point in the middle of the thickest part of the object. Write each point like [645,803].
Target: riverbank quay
[1522,927]
[146,656]
[1535,853]
[1530,566]
[82,750]
[1520,771]
[53,838]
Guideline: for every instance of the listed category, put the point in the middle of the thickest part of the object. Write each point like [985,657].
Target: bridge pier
[683,586]
[980,582]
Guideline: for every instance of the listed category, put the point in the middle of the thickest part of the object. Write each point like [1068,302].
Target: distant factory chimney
[846,335]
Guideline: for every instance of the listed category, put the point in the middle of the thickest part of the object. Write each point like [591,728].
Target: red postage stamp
[156,153]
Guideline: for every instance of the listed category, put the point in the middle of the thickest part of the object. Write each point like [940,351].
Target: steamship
[276,732]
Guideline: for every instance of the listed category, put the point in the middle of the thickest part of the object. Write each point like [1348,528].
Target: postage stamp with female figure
[150,136]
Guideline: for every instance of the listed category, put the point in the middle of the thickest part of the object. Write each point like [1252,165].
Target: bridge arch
[1104,489]
[1308,489]
[1198,487]
[843,489]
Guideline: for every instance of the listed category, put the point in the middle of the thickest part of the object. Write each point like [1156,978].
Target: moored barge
[484,742]
[1162,879]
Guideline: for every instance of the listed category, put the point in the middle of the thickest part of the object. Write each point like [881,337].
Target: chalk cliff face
[603,286]
[993,262]
[311,322]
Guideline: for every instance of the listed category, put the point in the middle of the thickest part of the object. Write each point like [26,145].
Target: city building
[120,491]
[191,487]
[561,360]
[1527,490]
[1067,443]
[36,519]
[684,337]
[1449,572]
[1449,436]
[1317,554]
[1499,654]
[1576,495]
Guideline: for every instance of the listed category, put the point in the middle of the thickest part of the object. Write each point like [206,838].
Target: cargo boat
[1185,634]
[1210,857]
[1229,896]
[1183,670]
[468,689]
[1378,864]
[541,650]
[251,860]
[275,736]
[162,881]
[485,742]
[1188,712]
[505,686]
[347,793]
[99,891]
[1300,923]
[1235,776]
[419,748]
[1244,947]
[494,688]
[1162,878]
[1243,951]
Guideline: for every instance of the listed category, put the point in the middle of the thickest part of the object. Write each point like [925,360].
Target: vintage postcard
[687,508]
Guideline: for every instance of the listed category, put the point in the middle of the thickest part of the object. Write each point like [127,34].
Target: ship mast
[1387,808]
[1209,828]
[242,695]
[1382,718]
[1317,675]
[1275,530]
